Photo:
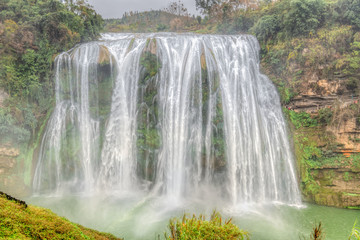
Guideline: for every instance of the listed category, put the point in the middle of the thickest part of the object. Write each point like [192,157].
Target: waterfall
[172,114]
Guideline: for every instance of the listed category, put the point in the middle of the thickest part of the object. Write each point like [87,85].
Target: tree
[32,31]
[349,11]
[304,16]
[177,8]
[206,5]
[266,27]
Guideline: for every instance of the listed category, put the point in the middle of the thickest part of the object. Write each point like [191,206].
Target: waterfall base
[136,217]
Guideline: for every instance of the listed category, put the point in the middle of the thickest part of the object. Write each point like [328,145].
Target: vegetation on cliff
[148,132]
[20,221]
[31,34]
[316,68]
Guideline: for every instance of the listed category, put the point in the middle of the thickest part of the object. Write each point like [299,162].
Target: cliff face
[331,171]
[342,109]
[338,186]
[318,79]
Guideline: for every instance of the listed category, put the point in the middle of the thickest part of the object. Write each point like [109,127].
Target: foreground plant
[196,228]
[317,233]
[355,233]
[21,221]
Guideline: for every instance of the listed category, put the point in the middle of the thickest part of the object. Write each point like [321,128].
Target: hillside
[151,21]
[21,221]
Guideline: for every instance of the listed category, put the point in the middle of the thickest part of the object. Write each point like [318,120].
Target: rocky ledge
[338,187]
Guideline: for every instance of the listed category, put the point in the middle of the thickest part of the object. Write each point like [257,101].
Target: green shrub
[162,27]
[199,228]
[243,22]
[301,119]
[351,84]
[151,64]
[312,152]
[303,17]
[285,91]
[350,64]
[325,116]
[346,177]
[266,27]
[349,12]
[276,57]
[34,32]
[337,37]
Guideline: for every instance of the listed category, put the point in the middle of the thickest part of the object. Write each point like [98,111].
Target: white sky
[116,8]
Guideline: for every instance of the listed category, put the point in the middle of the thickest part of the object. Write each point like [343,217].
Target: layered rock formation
[330,175]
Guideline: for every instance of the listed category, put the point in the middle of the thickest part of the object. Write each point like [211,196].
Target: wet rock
[339,187]
[104,56]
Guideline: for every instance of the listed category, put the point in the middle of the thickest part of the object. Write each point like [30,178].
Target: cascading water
[172,114]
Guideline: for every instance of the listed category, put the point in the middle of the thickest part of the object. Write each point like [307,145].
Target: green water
[136,217]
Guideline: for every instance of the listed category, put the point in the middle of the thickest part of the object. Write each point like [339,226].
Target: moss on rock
[148,135]
[20,222]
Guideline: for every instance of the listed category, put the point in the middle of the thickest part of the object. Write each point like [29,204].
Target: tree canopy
[206,5]
[32,32]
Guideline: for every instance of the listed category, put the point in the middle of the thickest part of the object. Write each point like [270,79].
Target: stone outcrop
[348,134]
[313,103]
[11,179]
[104,56]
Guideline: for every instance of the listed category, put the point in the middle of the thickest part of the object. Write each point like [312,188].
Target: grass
[355,233]
[19,221]
[196,228]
